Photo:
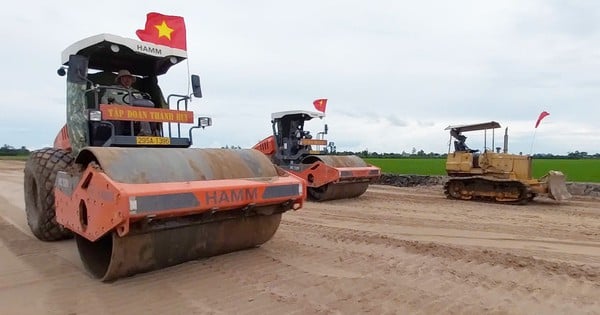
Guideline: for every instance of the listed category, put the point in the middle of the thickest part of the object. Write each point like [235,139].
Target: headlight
[95,115]
[204,121]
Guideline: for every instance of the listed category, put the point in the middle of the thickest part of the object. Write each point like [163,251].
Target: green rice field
[587,170]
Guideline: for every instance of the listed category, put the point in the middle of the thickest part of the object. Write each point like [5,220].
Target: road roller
[295,150]
[495,175]
[123,179]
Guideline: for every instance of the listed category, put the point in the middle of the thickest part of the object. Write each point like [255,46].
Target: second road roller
[328,176]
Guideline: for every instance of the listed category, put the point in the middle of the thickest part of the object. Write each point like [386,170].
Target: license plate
[152,140]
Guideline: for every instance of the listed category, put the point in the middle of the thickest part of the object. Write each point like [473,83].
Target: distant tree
[10,150]
[577,155]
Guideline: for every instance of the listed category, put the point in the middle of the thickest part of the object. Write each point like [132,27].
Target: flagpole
[532,141]
[189,91]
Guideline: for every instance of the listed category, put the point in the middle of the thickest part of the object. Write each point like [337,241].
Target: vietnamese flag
[320,104]
[542,115]
[167,30]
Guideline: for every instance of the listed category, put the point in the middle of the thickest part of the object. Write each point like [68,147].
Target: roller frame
[111,205]
[319,174]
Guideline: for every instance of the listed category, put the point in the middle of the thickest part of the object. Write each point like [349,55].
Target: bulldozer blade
[113,257]
[557,188]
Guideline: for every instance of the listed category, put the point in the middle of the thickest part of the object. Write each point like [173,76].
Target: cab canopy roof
[308,115]
[473,127]
[108,52]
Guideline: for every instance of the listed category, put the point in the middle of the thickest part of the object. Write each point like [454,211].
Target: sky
[395,73]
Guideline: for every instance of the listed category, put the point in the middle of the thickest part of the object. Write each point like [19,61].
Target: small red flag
[168,30]
[542,115]
[320,104]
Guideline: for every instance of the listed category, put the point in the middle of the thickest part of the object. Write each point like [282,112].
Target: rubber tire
[40,175]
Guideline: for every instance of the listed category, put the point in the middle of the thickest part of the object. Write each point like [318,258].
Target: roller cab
[327,176]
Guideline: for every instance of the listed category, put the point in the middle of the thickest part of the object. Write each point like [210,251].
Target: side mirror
[326,129]
[196,90]
[204,122]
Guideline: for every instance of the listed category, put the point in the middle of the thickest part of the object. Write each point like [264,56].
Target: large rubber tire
[40,174]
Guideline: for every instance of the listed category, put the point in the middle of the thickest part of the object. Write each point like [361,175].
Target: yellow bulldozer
[137,200]
[495,175]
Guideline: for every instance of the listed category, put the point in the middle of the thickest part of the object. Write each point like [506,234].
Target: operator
[302,134]
[460,145]
[122,93]
[119,93]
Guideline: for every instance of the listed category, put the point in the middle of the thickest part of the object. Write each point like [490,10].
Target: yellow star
[164,30]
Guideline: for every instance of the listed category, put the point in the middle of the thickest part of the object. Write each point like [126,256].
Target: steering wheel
[136,95]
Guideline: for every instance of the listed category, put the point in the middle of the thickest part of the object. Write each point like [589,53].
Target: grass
[410,166]
[575,170]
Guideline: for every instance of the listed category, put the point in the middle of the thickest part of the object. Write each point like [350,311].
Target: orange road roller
[123,179]
[328,176]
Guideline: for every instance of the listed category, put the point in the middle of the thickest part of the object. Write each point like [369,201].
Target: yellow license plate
[152,140]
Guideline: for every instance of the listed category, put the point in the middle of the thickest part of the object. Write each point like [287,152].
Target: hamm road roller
[123,179]
[327,176]
[495,176]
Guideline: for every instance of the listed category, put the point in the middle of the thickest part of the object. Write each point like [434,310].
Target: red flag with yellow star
[168,30]
[320,104]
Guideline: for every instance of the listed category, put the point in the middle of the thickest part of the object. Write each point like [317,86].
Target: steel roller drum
[156,245]
[342,189]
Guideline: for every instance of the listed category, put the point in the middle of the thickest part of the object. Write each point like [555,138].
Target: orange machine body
[318,170]
[95,204]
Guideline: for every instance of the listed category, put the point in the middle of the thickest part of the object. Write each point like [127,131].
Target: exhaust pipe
[506,140]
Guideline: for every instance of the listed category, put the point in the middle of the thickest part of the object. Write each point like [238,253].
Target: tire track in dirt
[441,272]
[591,273]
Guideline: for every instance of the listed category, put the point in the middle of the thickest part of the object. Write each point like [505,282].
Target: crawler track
[483,189]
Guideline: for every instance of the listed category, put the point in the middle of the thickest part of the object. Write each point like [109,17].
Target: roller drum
[113,257]
[339,190]
[169,242]
[337,160]
[155,165]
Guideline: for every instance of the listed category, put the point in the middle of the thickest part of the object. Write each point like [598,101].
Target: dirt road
[391,251]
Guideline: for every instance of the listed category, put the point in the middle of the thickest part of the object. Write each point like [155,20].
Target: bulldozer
[327,176]
[139,201]
[496,176]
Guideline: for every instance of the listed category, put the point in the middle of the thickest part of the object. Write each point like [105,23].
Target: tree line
[421,154]
[8,150]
